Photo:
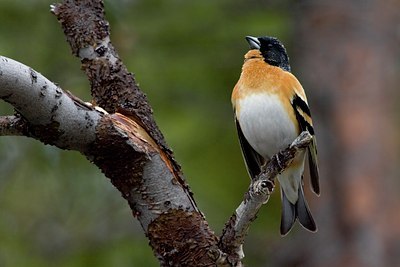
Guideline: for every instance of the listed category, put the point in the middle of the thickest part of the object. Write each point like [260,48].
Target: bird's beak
[253,42]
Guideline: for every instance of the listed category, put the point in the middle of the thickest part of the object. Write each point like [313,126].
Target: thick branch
[50,114]
[258,194]
[152,182]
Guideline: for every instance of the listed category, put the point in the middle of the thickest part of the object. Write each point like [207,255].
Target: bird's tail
[300,211]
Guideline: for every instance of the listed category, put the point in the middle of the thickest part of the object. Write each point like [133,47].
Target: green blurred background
[56,209]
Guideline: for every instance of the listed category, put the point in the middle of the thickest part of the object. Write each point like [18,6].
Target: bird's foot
[263,187]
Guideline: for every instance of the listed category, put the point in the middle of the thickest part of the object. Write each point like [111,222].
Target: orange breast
[259,77]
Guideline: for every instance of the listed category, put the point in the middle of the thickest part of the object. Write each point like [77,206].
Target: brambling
[271,110]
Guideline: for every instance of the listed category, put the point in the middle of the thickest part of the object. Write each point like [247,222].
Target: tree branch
[47,112]
[152,182]
[236,228]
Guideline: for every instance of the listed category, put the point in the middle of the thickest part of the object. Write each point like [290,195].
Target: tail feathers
[300,211]
[303,212]
[288,216]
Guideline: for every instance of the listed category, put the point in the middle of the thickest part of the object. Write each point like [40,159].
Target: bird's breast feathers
[265,123]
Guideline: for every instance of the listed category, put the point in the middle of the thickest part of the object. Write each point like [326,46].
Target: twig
[258,194]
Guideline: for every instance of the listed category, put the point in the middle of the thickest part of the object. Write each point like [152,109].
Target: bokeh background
[56,209]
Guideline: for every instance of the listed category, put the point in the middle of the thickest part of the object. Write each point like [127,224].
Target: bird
[271,110]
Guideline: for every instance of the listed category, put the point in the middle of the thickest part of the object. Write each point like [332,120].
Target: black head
[272,49]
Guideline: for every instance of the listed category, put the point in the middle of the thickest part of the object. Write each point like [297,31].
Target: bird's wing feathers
[303,116]
[313,163]
[252,158]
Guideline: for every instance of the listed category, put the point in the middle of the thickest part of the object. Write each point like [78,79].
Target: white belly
[265,124]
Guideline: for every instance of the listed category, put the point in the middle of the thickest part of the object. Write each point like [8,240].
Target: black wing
[251,157]
[301,108]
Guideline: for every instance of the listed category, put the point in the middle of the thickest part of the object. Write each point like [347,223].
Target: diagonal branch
[152,182]
[236,228]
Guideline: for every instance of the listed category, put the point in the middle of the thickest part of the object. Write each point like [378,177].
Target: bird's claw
[263,186]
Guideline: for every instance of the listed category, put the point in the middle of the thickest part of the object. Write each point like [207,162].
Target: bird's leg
[263,166]
[264,184]
[278,161]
